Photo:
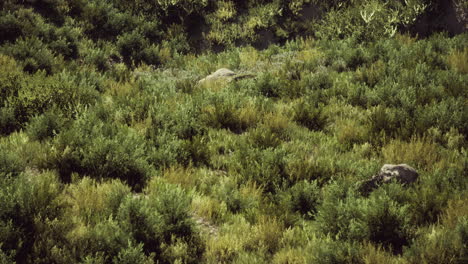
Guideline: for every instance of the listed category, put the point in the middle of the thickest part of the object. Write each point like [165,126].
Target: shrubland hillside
[113,151]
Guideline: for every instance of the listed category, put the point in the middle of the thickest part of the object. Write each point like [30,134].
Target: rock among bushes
[402,173]
[225,74]
[222,73]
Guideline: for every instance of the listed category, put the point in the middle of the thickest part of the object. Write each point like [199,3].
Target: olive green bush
[92,147]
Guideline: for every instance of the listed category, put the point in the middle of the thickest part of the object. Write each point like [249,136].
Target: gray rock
[222,73]
[401,173]
[226,74]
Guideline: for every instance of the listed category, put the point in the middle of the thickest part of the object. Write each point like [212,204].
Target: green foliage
[309,114]
[136,49]
[368,20]
[304,198]
[377,219]
[45,126]
[162,220]
[31,199]
[112,151]
[92,147]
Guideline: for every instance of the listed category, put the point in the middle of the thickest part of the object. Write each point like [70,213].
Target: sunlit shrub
[377,219]
[31,199]
[304,198]
[324,249]
[309,114]
[443,242]
[266,235]
[264,167]
[397,152]
[132,254]
[209,209]
[453,83]
[458,60]
[166,212]
[373,74]
[350,132]
[101,151]
[38,93]
[44,126]
[367,20]
[91,202]
[273,130]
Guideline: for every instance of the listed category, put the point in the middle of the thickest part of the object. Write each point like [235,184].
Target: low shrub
[457,60]
[45,126]
[273,130]
[31,199]
[377,219]
[264,167]
[444,242]
[397,151]
[91,147]
[229,112]
[309,114]
[304,198]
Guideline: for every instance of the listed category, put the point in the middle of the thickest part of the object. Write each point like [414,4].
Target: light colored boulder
[222,73]
[401,173]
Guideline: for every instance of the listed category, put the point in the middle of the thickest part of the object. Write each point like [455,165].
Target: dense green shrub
[136,49]
[35,94]
[309,114]
[45,126]
[368,20]
[31,200]
[377,219]
[304,198]
[101,150]
[170,206]
[265,167]
[33,54]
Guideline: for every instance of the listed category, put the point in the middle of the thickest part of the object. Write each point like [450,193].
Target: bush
[136,49]
[303,198]
[31,200]
[45,126]
[264,167]
[232,113]
[309,114]
[91,147]
[33,54]
[377,219]
[396,152]
[160,221]
[367,20]
[272,132]
[444,242]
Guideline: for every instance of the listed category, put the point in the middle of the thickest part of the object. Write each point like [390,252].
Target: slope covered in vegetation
[112,151]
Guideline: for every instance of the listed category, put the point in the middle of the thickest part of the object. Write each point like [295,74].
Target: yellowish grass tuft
[349,132]
[209,209]
[458,60]
[419,152]
[372,254]
[290,256]
[249,57]
[405,39]
[185,177]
